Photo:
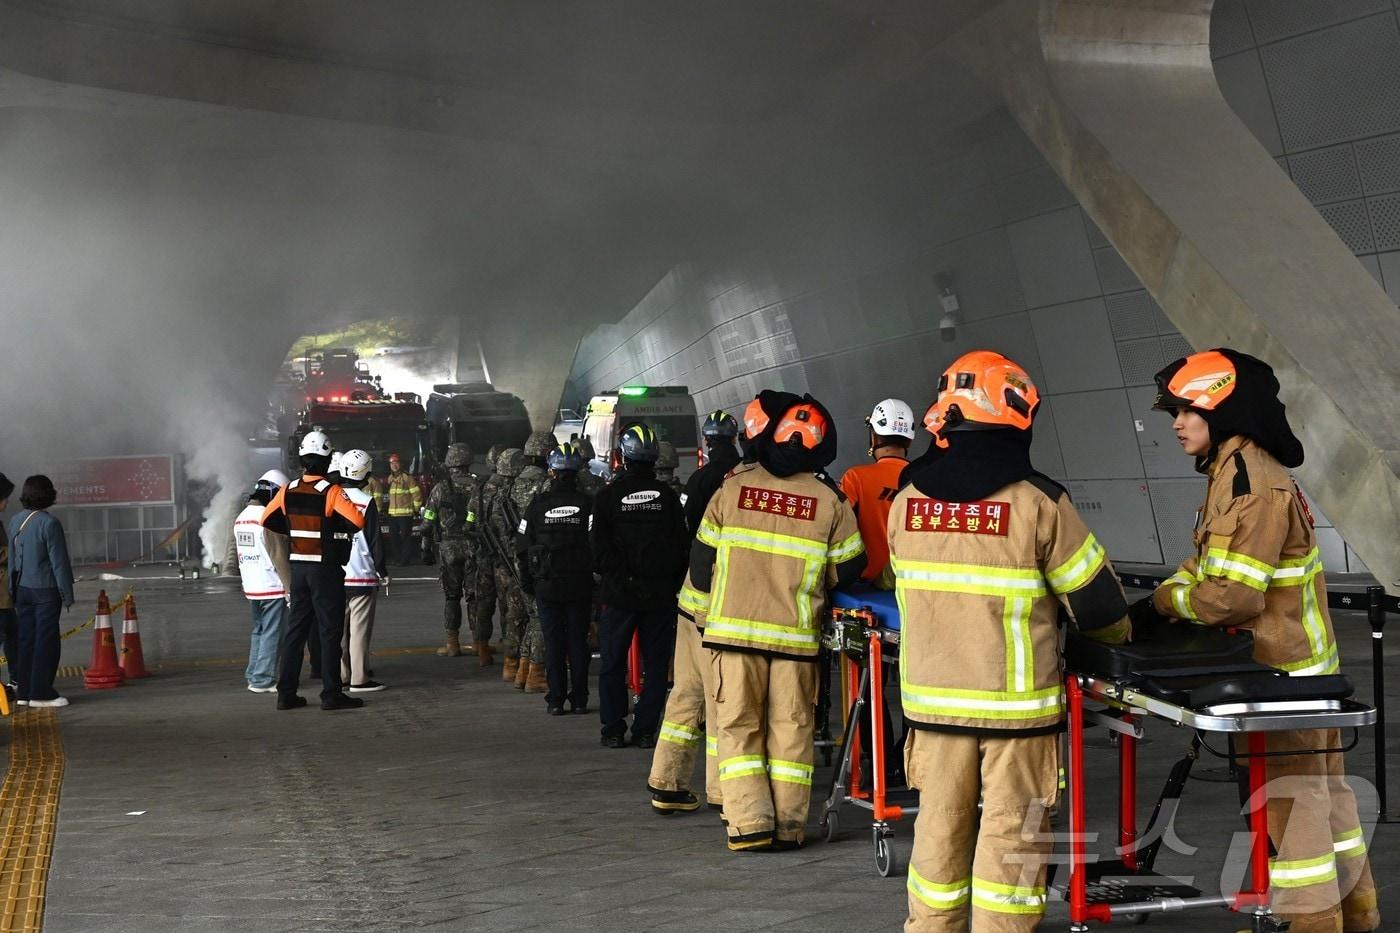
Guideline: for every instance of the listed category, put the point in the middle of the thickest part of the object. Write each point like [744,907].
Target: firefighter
[870,488]
[312,521]
[364,572]
[483,584]
[404,499]
[1257,567]
[985,551]
[501,532]
[667,460]
[774,539]
[689,717]
[556,570]
[532,481]
[639,546]
[449,513]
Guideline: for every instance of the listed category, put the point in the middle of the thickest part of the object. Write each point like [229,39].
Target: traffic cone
[103,673]
[133,661]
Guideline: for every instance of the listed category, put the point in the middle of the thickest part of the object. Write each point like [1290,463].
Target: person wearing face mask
[776,536]
[1257,567]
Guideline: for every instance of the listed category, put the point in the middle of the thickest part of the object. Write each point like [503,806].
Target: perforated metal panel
[1229,28]
[1349,219]
[1336,85]
[1114,274]
[1174,503]
[1076,347]
[1326,174]
[1275,19]
[1119,513]
[1241,79]
[1378,161]
[1053,258]
[1140,359]
[1390,274]
[1175,347]
[1385,221]
[1096,435]
[1131,314]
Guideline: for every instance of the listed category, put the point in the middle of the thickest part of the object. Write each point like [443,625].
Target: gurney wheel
[887,860]
[831,825]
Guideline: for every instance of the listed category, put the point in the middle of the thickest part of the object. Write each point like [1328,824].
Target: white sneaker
[56,701]
[21,702]
[271,689]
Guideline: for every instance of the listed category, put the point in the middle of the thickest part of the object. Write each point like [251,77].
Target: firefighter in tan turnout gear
[985,552]
[1257,567]
[773,540]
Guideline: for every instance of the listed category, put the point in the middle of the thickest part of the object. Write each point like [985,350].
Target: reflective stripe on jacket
[318,517]
[405,498]
[1257,564]
[980,586]
[778,542]
[361,571]
[255,567]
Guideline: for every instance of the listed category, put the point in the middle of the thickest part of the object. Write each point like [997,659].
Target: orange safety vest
[318,516]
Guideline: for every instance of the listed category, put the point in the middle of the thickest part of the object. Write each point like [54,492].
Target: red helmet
[804,422]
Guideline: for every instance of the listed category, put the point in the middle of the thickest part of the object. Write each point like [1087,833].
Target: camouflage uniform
[666,462]
[449,511]
[532,481]
[508,594]
[588,482]
[484,582]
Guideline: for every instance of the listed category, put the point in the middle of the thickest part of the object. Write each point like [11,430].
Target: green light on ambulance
[632,390]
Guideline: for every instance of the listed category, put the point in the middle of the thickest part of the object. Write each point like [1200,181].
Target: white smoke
[216,452]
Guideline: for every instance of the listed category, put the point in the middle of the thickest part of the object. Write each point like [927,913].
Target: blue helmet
[565,457]
[720,423]
[639,444]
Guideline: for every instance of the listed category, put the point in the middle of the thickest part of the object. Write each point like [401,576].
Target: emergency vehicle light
[632,390]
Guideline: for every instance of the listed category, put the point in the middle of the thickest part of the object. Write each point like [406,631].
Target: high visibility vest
[777,541]
[1257,564]
[360,570]
[319,518]
[255,567]
[404,497]
[980,586]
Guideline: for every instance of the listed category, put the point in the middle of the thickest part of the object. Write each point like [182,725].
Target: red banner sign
[978,518]
[775,502]
[115,480]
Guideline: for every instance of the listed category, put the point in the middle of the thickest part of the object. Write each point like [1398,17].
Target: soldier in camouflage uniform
[533,479]
[484,582]
[588,482]
[508,594]
[449,514]
[666,462]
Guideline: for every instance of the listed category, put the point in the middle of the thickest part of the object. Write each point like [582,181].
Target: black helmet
[639,444]
[720,423]
[565,457]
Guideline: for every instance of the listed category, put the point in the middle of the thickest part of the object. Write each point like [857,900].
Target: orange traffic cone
[133,660]
[103,673]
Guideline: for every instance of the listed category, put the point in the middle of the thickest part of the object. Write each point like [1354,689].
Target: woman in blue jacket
[41,579]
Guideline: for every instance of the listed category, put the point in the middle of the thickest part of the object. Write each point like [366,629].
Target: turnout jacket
[980,587]
[555,561]
[639,541]
[318,517]
[767,551]
[1257,564]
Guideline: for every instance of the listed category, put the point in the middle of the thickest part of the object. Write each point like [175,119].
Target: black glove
[1148,623]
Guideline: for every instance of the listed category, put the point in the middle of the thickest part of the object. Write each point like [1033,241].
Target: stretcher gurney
[864,627]
[1199,679]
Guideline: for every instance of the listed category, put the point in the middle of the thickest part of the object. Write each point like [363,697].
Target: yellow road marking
[28,817]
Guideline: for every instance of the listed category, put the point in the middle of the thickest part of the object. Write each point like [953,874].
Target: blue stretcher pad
[881,602]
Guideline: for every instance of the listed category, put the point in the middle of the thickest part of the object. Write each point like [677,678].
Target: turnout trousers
[1321,876]
[317,611]
[688,720]
[993,864]
[765,722]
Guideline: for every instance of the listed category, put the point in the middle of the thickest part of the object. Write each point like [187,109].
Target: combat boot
[536,683]
[522,674]
[508,669]
[483,652]
[453,648]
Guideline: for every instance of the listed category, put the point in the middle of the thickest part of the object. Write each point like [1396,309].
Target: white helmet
[354,465]
[336,459]
[272,480]
[892,417]
[316,444]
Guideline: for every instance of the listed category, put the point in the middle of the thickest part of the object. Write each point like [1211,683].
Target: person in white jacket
[363,574]
[264,584]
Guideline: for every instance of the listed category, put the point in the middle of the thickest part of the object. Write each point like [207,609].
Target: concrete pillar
[1120,97]
[530,356]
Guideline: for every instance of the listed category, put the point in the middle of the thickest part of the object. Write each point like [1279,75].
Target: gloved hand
[1148,623]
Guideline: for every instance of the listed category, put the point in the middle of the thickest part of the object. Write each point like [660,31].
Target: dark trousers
[9,628]
[566,654]
[38,612]
[318,603]
[657,632]
[401,537]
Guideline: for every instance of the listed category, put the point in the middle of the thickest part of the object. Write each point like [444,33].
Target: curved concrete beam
[1120,97]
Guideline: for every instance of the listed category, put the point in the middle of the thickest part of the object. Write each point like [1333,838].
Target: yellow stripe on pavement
[28,817]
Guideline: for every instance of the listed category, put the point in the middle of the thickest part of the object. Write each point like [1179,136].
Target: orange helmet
[984,389]
[933,423]
[1200,381]
[804,422]
[755,419]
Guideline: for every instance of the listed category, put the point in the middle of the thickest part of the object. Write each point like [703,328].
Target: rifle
[503,553]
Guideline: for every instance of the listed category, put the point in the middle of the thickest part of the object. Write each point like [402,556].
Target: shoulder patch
[1052,490]
[1241,485]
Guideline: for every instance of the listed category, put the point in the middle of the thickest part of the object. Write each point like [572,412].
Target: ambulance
[667,410]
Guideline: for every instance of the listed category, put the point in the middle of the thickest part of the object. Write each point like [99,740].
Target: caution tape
[78,628]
